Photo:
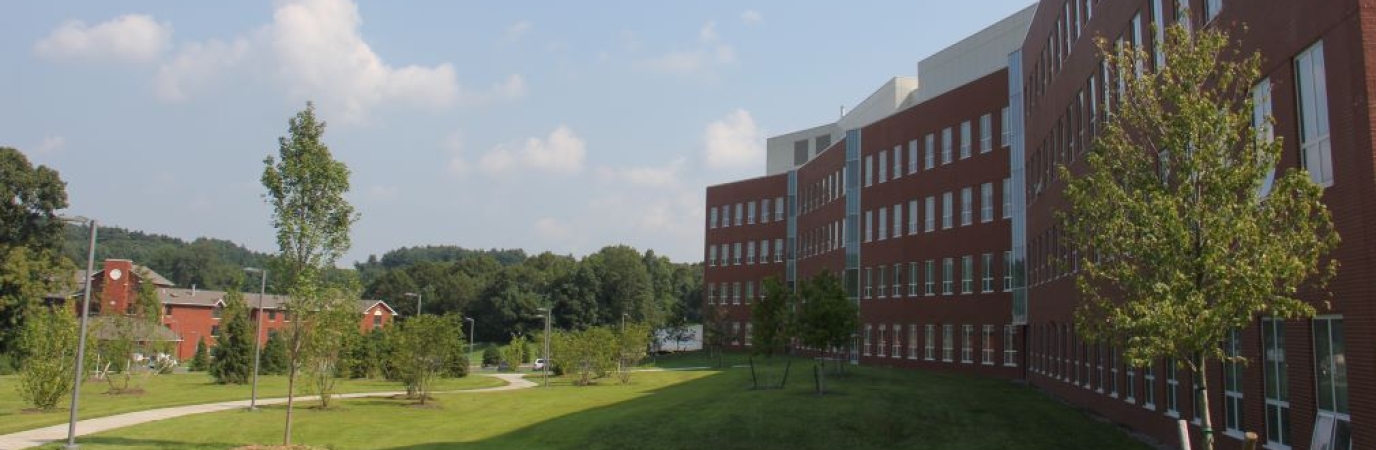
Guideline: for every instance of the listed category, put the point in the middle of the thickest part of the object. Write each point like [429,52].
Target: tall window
[912,279]
[987,275]
[929,344]
[947,278]
[879,350]
[778,208]
[930,280]
[1333,426]
[1132,385]
[736,293]
[896,342]
[986,202]
[1274,368]
[897,279]
[986,133]
[749,291]
[879,273]
[930,152]
[869,226]
[1006,122]
[883,223]
[986,348]
[912,217]
[712,217]
[883,166]
[750,211]
[1211,8]
[967,206]
[897,161]
[897,219]
[967,274]
[739,214]
[764,251]
[1261,116]
[868,331]
[912,341]
[912,158]
[736,260]
[965,139]
[947,205]
[946,146]
[1007,198]
[1232,385]
[1172,388]
[712,255]
[1312,88]
[764,211]
[869,171]
[1113,371]
[869,282]
[948,334]
[1010,349]
[930,215]
[967,351]
[750,252]
[725,216]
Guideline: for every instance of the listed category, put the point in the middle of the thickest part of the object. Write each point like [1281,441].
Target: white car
[539,364]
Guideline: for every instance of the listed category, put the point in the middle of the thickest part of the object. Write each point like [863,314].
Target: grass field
[177,390]
[870,408]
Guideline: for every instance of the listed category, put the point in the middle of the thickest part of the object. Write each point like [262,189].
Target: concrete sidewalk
[58,433]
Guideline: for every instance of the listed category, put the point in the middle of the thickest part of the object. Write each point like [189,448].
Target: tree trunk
[1205,417]
[291,394]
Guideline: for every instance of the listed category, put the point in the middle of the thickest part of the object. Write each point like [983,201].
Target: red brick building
[194,314]
[937,199]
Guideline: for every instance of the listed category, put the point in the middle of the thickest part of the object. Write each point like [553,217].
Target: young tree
[424,351]
[233,362]
[333,330]
[1178,244]
[306,188]
[201,360]
[826,318]
[587,354]
[772,323]
[716,331]
[631,341]
[274,357]
[49,339]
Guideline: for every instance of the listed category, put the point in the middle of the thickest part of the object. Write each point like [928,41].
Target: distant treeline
[500,288]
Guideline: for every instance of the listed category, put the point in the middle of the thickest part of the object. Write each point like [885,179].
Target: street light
[546,312]
[417,296]
[81,340]
[258,333]
[472,331]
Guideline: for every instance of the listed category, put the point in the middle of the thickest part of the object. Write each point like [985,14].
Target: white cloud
[561,152]
[709,54]
[646,177]
[50,144]
[319,53]
[733,141]
[551,229]
[518,30]
[751,17]
[127,38]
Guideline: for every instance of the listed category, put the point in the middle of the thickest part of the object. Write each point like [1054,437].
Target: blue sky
[561,126]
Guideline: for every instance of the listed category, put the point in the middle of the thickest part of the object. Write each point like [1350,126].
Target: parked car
[539,364]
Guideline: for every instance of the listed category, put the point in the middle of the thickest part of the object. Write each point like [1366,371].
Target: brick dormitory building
[191,315]
[936,197]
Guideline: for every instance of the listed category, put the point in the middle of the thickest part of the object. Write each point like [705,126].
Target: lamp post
[472,331]
[418,297]
[81,339]
[258,333]
[621,359]
[546,312]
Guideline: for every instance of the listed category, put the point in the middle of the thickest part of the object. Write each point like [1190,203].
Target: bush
[8,364]
[49,337]
[492,356]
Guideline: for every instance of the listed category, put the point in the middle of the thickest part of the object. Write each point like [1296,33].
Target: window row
[921,278]
[737,253]
[921,214]
[822,192]
[745,213]
[922,154]
[899,341]
[734,293]
[1057,352]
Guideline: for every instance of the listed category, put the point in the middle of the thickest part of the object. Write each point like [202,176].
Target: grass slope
[872,408]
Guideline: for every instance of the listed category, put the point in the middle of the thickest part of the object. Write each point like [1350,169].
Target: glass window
[931,151]
[987,280]
[986,133]
[947,205]
[912,341]
[930,214]
[778,250]
[883,166]
[869,282]
[764,211]
[740,216]
[778,208]
[750,211]
[1232,384]
[869,226]
[869,171]
[1007,271]
[868,331]
[912,217]
[897,219]
[930,279]
[1211,9]
[1312,89]
[912,158]
[965,137]
[897,280]
[1333,427]
[1007,198]
[929,344]
[912,279]
[1274,368]
[1261,122]
[711,255]
[712,217]
[948,266]
[897,164]
[967,343]
[967,273]
[986,202]
[1006,122]
[1010,349]
[986,348]
[948,334]
[967,200]
[883,223]
[946,145]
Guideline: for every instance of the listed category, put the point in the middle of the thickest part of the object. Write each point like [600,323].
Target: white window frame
[929,346]
[912,341]
[930,279]
[883,159]
[986,348]
[1006,134]
[896,342]
[912,217]
[897,219]
[987,276]
[778,209]
[883,223]
[967,206]
[965,140]
[778,250]
[897,161]
[986,133]
[930,152]
[930,215]
[869,226]
[913,162]
[1010,348]
[712,218]
[967,274]
[1275,367]
[947,209]
[967,351]
[868,330]
[869,171]
[879,349]
[946,146]
[1330,419]
[750,213]
[1311,90]
[948,335]
[948,277]
[986,202]
[1233,412]
[1007,271]
[1007,198]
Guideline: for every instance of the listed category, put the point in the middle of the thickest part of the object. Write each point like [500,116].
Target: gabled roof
[368,304]
[202,297]
[153,276]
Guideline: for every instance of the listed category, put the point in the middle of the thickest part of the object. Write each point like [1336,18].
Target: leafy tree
[772,324]
[826,318]
[325,351]
[201,360]
[306,188]
[492,356]
[49,338]
[30,237]
[517,351]
[631,341]
[423,351]
[274,356]
[587,354]
[1177,248]
[233,362]
[716,332]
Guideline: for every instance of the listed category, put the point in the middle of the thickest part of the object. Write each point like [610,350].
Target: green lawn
[871,408]
[176,390]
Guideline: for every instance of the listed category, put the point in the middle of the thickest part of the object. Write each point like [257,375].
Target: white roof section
[974,57]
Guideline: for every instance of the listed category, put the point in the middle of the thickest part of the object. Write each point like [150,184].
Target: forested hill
[207,263]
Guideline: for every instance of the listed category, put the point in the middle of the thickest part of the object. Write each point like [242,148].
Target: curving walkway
[56,433]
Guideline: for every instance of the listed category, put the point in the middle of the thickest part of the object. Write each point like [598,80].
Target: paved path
[40,436]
